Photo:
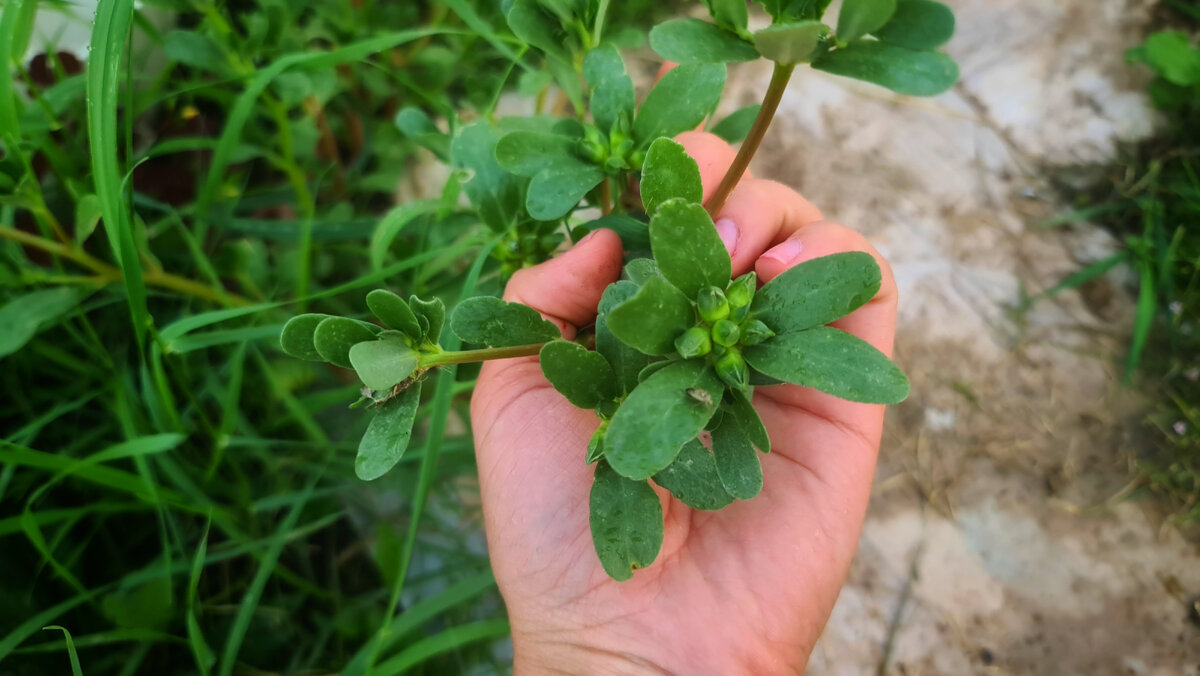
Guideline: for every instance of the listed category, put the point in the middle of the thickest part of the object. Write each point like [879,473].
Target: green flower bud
[614,164]
[755,332]
[637,159]
[741,290]
[592,150]
[731,368]
[712,304]
[693,343]
[726,333]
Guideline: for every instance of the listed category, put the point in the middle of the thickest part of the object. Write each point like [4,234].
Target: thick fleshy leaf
[687,248]
[652,320]
[680,101]
[626,362]
[734,127]
[692,478]
[22,317]
[380,364]
[626,522]
[417,127]
[497,195]
[669,173]
[431,314]
[394,312]
[833,362]
[533,25]
[491,321]
[918,24]
[859,17]
[634,234]
[787,11]
[554,191]
[525,153]
[611,87]
[595,447]
[817,292]
[297,336]
[736,461]
[334,336]
[582,376]
[387,436]
[642,270]
[740,406]
[696,41]
[791,43]
[901,70]
[731,14]
[659,417]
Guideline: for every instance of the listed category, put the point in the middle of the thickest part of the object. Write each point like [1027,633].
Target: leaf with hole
[582,376]
[669,173]
[692,478]
[659,416]
[696,41]
[296,338]
[388,434]
[687,248]
[832,361]
[918,24]
[817,291]
[334,336]
[626,521]
[904,71]
[491,321]
[380,364]
[653,318]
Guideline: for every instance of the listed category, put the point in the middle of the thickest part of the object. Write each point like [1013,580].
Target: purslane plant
[678,344]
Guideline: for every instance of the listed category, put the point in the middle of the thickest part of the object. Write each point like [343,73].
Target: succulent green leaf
[533,25]
[626,522]
[554,191]
[525,153]
[611,87]
[901,70]
[334,336]
[659,417]
[297,336]
[431,314]
[652,320]
[833,362]
[696,41]
[669,173]
[394,312]
[387,436]
[791,43]
[783,11]
[687,248]
[626,362]
[918,24]
[641,270]
[1171,55]
[380,364]
[416,125]
[595,447]
[22,317]
[817,292]
[692,478]
[497,195]
[582,376]
[634,234]
[734,127]
[681,100]
[730,14]
[737,464]
[491,321]
[860,17]
[739,405]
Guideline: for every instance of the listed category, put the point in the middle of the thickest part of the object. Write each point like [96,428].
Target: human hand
[746,589]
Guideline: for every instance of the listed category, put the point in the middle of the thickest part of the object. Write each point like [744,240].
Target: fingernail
[785,252]
[728,231]
[586,237]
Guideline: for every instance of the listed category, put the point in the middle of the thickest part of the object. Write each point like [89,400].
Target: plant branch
[779,82]
[468,356]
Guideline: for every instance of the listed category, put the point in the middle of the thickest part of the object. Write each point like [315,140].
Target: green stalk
[487,354]
[779,82]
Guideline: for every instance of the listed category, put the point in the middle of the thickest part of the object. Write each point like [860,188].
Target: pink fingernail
[785,252]
[728,231]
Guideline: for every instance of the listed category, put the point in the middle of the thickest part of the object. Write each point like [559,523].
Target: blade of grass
[76,669]
[200,651]
[1146,308]
[109,33]
[1085,275]
[449,639]
[35,623]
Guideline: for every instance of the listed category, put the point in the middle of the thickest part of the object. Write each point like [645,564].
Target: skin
[744,590]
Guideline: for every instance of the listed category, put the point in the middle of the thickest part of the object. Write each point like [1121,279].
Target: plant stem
[779,81]
[606,201]
[468,356]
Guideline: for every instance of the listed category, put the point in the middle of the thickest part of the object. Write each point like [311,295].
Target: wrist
[571,657]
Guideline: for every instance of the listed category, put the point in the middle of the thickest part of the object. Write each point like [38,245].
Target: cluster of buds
[724,327]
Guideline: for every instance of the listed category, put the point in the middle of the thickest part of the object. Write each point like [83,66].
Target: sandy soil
[999,539]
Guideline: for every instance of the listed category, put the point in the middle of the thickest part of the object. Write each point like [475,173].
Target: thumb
[567,289]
